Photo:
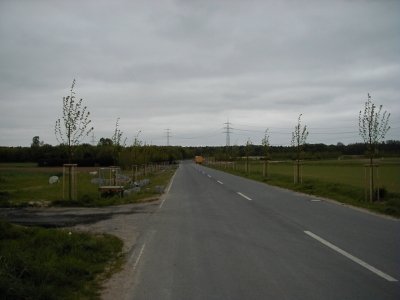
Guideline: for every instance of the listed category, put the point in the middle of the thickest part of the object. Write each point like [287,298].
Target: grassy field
[26,184]
[342,180]
[37,263]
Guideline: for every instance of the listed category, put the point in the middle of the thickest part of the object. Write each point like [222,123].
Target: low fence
[141,171]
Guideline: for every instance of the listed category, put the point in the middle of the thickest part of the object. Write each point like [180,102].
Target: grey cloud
[192,64]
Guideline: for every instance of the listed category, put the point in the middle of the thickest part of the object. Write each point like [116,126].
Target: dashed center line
[208,175]
[220,182]
[244,196]
[351,257]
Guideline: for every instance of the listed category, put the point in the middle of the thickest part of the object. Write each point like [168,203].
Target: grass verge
[37,263]
[24,185]
[344,193]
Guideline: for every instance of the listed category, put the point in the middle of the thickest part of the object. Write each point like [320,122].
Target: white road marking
[208,175]
[138,259]
[351,257]
[162,202]
[244,196]
[220,182]
[167,191]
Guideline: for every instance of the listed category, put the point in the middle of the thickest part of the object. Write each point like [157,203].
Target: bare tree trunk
[69,183]
[371,178]
[264,168]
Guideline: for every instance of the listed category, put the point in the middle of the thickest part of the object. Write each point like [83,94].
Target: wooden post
[371,192]
[377,183]
[69,170]
[371,171]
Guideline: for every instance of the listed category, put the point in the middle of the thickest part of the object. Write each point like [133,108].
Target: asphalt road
[218,236]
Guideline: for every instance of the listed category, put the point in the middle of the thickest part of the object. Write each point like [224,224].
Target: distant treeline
[88,155]
[310,151]
[108,154]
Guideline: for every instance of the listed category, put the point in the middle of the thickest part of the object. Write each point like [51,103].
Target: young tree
[248,146]
[299,138]
[116,139]
[265,143]
[36,142]
[373,127]
[72,129]
[137,143]
[75,122]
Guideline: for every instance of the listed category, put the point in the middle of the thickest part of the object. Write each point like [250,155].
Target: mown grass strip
[20,186]
[344,193]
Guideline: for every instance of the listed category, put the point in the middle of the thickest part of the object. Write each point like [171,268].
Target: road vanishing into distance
[219,236]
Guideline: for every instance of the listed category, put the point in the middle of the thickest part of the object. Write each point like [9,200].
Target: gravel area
[127,224]
[124,221]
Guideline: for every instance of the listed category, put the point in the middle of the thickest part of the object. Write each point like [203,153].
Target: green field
[334,171]
[342,180]
[26,184]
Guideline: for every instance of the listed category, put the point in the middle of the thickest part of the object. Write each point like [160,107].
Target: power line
[228,133]
[93,140]
[168,134]
[195,137]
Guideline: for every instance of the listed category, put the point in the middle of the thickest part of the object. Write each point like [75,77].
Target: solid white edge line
[244,196]
[139,256]
[351,257]
[220,182]
[167,191]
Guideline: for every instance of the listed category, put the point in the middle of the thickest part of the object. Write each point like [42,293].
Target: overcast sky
[191,66]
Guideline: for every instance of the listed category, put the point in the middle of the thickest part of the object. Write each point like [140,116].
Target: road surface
[219,236]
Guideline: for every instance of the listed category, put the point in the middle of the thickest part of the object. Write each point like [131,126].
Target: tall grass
[37,263]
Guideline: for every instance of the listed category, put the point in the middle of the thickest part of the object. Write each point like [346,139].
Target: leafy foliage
[265,143]
[117,136]
[299,136]
[373,125]
[74,125]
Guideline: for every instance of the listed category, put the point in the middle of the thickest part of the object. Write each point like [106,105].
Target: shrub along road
[219,236]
